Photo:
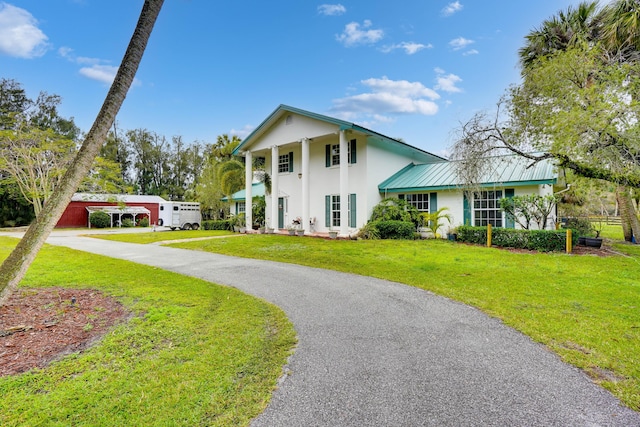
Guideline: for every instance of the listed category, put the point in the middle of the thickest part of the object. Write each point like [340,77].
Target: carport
[116,213]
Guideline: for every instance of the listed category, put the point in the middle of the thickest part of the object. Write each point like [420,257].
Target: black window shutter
[353,151]
[327,211]
[328,155]
[291,161]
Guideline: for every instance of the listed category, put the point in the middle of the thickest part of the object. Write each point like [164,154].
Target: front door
[281,209]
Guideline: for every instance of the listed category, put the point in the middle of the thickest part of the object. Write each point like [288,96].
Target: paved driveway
[376,353]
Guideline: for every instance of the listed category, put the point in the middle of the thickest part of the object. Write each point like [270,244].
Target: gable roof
[342,124]
[511,170]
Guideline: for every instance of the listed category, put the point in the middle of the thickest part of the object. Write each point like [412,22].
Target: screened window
[335,211]
[284,162]
[486,209]
[419,201]
[333,155]
[241,207]
[333,218]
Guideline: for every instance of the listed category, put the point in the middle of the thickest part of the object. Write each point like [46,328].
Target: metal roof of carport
[513,171]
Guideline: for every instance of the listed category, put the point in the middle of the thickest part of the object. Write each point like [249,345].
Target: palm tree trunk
[15,266]
[630,224]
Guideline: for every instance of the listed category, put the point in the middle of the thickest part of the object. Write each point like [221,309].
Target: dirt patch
[38,326]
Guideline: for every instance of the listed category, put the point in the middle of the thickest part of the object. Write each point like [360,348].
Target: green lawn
[196,354]
[585,308]
[160,236]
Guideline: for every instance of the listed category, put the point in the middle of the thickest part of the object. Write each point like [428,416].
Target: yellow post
[488,235]
[569,242]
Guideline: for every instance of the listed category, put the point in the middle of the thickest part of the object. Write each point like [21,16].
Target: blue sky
[410,69]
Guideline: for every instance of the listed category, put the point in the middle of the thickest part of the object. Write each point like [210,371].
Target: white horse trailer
[183,215]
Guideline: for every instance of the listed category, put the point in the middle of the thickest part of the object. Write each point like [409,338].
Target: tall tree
[151,154]
[578,100]
[115,149]
[621,37]
[35,160]
[219,161]
[15,266]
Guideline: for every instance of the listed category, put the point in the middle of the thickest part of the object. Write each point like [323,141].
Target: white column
[344,185]
[275,157]
[248,200]
[305,184]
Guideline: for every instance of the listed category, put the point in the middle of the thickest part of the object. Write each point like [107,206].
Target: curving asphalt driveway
[377,353]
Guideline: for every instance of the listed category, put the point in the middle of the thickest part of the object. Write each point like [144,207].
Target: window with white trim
[335,154]
[335,211]
[284,162]
[419,201]
[486,209]
[241,207]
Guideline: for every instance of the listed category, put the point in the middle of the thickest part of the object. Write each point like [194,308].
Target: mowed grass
[194,354]
[585,308]
[159,236]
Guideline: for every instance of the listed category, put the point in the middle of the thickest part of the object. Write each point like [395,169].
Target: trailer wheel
[186,227]
[195,226]
[160,222]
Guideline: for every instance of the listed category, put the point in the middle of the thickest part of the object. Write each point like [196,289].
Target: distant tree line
[37,145]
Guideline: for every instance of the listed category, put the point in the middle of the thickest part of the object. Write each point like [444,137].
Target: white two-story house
[330,173]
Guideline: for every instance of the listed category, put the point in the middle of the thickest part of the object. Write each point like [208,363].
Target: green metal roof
[257,190]
[342,124]
[513,171]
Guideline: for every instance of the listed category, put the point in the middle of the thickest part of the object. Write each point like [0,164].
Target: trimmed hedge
[100,219]
[537,240]
[395,229]
[218,224]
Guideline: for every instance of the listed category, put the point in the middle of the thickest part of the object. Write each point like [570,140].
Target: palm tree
[617,28]
[15,266]
[621,29]
[231,176]
[570,28]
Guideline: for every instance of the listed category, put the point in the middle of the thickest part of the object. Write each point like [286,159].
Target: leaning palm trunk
[630,224]
[15,266]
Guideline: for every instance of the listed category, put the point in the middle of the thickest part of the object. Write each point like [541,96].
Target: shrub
[127,222]
[100,219]
[369,232]
[395,229]
[393,209]
[582,226]
[144,222]
[218,224]
[537,240]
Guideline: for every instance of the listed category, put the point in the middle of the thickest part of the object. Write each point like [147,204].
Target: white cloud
[19,33]
[447,82]
[471,52]
[96,69]
[101,73]
[384,98]
[67,53]
[452,8]
[403,88]
[242,133]
[460,43]
[331,9]
[409,47]
[355,34]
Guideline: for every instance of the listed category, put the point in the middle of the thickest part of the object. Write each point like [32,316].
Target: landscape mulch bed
[38,326]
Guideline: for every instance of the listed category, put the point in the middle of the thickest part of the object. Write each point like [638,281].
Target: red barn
[118,206]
